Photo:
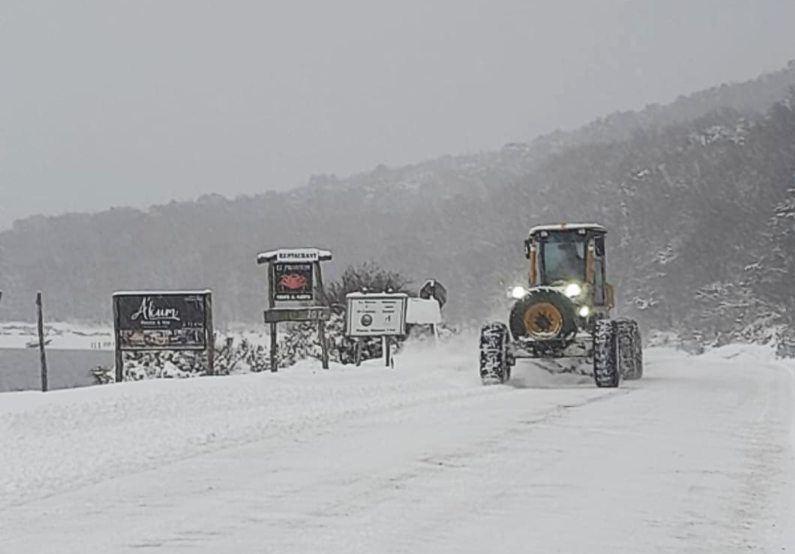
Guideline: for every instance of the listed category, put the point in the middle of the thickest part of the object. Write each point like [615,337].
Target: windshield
[562,257]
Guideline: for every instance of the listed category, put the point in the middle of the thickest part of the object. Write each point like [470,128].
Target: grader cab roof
[584,227]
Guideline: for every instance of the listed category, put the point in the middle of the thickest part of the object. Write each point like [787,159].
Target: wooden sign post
[295,293]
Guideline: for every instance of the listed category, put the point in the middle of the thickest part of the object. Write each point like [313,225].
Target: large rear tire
[494,355]
[638,341]
[626,363]
[630,349]
[606,371]
[637,352]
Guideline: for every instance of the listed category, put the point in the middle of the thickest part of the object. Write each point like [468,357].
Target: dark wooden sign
[160,320]
[295,293]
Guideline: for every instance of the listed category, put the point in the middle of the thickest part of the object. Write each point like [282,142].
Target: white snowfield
[696,457]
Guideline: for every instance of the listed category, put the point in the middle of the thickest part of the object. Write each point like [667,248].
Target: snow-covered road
[697,457]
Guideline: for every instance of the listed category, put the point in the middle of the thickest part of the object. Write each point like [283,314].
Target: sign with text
[293,281]
[298,255]
[161,320]
[294,255]
[293,276]
[376,315]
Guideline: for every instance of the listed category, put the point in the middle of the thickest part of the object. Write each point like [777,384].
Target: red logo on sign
[292,281]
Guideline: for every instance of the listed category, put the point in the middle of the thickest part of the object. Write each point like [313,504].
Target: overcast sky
[111,102]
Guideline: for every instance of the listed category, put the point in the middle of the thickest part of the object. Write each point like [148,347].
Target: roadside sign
[163,321]
[311,314]
[295,293]
[376,315]
[423,312]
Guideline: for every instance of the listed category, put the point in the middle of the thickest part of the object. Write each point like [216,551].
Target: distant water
[20,369]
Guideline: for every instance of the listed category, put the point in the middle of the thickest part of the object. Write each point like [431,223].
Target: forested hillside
[699,198]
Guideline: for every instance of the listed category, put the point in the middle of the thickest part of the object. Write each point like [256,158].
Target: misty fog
[106,103]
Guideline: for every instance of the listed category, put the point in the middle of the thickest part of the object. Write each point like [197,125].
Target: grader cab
[564,311]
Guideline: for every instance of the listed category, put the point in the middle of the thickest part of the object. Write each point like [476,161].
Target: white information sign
[376,315]
[424,312]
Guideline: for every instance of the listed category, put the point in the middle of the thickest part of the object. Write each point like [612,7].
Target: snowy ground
[697,457]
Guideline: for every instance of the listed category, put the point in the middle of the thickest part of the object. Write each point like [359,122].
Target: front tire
[494,356]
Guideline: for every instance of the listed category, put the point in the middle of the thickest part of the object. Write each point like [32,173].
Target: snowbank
[68,438]
[420,458]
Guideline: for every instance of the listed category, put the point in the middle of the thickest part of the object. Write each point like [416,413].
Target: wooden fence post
[42,353]
[118,354]
[321,325]
[274,346]
[209,332]
[387,347]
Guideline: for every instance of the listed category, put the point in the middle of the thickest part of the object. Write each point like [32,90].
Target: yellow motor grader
[564,311]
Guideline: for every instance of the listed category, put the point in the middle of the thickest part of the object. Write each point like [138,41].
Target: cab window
[562,257]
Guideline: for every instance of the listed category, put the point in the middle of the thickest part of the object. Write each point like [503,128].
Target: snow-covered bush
[785,346]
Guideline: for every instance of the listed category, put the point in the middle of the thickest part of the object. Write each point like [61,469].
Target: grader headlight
[572,290]
[518,292]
